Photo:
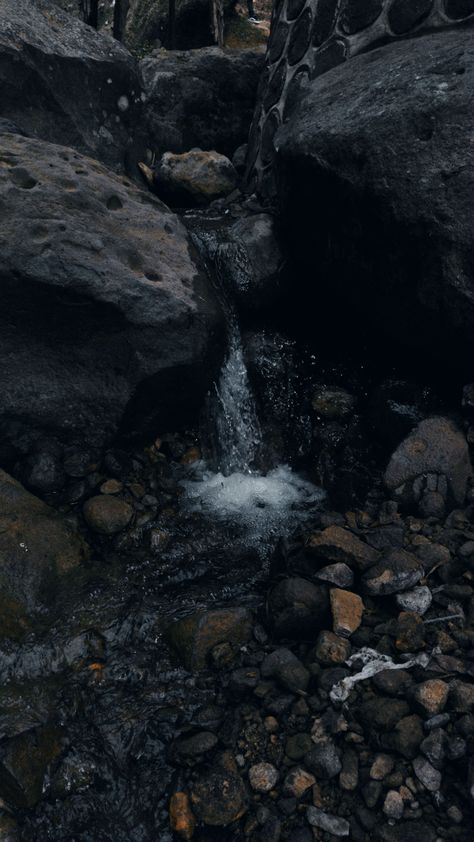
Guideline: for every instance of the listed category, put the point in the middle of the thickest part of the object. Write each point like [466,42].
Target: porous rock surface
[101,295]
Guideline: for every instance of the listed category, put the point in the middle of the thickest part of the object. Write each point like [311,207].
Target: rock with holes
[381,142]
[433,459]
[202,98]
[106,318]
[64,82]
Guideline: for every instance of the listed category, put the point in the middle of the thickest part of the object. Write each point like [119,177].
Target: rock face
[63,82]
[36,548]
[434,458]
[201,98]
[147,23]
[194,178]
[102,301]
[373,172]
[308,39]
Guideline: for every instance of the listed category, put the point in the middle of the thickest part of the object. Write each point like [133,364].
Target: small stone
[398,571]
[381,767]
[195,636]
[336,574]
[410,634]
[218,796]
[339,545]
[323,760]
[287,669]
[197,745]
[297,745]
[111,486]
[270,724]
[347,609]
[431,696]
[182,819]
[427,774]
[244,680]
[393,805]
[263,777]
[106,514]
[298,608]
[418,600]
[331,649]
[349,775]
[297,782]
[327,822]
[461,697]
[455,814]
[333,403]
[393,682]
[406,736]
[434,747]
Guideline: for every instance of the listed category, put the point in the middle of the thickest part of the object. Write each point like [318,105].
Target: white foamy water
[264,508]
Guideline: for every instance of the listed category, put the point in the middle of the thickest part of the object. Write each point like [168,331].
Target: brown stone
[111,486]
[297,782]
[347,609]
[338,544]
[182,819]
[431,696]
[381,767]
[195,637]
[331,649]
[106,514]
[410,632]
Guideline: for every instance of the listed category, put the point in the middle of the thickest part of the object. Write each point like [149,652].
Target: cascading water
[229,486]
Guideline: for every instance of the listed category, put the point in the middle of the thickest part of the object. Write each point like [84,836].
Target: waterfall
[229,486]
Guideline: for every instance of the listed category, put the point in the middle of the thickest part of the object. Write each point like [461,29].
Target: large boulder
[377,181]
[37,548]
[102,301]
[194,178]
[148,23]
[63,82]
[201,98]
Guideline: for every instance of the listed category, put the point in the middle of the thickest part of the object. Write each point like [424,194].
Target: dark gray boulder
[63,82]
[202,98]
[105,313]
[377,181]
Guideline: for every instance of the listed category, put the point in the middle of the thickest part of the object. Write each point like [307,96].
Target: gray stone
[193,178]
[336,574]
[287,669]
[418,600]
[398,571]
[323,759]
[427,774]
[325,821]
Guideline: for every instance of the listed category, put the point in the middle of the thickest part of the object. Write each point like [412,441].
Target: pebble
[381,767]
[418,600]
[331,649]
[431,696]
[182,819]
[323,760]
[263,777]
[297,782]
[287,669]
[349,776]
[398,571]
[111,486]
[327,822]
[455,814]
[347,609]
[107,514]
[427,774]
[393,805]
[410,633]
[338,574]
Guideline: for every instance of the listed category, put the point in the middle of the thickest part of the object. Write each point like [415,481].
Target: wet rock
[297,745]
[332,649]
[393,682]
[336,574]
[435,747]
[393,805]
[130,286]
[333,403]
[24,762]
[254,264]
[194,637]
[200,98]
[194,178]
[189,748]
[37,548]
[323,759]
[431,696]
[65,83]
[349,775]
[297,782]
[347,609]
[397,571]
[436,448]
[383,716]
[339,545]
[427,774]
[287,669]
[263,777]
[327,822]
[182,819]
[218,796]
[419,600]
[107,515]
[461,697]
[410,632]
[298,608]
